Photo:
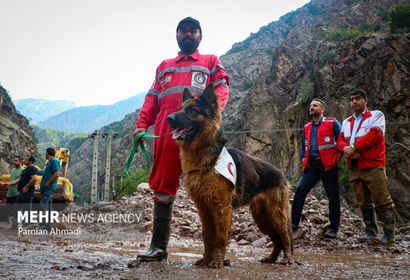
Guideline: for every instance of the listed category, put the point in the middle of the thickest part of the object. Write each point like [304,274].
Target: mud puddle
[81,259]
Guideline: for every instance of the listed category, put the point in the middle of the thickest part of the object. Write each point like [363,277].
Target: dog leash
[139,136]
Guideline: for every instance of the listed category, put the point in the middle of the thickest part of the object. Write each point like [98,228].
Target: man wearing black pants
[320,157]
[26,187]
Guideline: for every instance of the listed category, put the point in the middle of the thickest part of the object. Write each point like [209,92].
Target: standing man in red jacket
[362,142]
[319,154]
[191,70]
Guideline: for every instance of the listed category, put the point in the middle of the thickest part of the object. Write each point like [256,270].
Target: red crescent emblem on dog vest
[229,168]
[226,166]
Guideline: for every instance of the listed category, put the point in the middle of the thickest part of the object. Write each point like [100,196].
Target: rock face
[318,58]
[16,135]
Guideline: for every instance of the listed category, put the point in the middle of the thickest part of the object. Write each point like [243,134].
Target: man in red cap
[191,70]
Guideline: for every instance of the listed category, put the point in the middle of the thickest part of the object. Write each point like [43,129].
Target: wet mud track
[104,250]
[40,258]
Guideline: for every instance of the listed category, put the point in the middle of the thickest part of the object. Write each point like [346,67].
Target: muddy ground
[105,246]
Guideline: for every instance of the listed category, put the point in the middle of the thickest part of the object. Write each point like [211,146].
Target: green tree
[399,19]
[306,92]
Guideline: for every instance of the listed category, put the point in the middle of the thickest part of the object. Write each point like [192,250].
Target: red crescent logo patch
[229,168]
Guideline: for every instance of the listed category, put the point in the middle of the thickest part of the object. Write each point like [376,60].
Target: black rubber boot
[387,217]
[160,233]
[369,219]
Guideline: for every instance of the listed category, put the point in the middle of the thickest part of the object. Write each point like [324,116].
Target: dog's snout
[171,119]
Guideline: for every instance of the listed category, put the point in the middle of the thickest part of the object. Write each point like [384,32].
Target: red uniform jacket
[194,72]
[369,140]
[326,142]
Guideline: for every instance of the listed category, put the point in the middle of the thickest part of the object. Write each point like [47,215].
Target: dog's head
[195,114]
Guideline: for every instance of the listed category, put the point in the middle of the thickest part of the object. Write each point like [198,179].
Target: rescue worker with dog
[191,70]
[320,161]
[362,142]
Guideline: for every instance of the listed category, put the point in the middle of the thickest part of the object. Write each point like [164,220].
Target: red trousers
[164,177]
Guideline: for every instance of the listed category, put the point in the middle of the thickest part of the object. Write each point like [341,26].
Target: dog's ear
[209,97]
[187,95]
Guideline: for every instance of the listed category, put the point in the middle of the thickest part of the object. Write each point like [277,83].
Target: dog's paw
[286,261]
[216,264]
[202,262]
[268,260]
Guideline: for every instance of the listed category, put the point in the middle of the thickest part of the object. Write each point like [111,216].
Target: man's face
[316,109]
[16,162]
[27,162]
[188,37]
[358,103]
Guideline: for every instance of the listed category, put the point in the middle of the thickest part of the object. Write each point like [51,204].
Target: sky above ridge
[103,51]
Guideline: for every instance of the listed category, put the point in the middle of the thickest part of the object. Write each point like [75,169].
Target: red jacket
[369,140]
[326,142]
[194,72]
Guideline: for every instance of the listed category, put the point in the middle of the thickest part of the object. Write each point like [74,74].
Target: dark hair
[323,103]
[19,157]
[32,159]
[51,151]
[358,91]
[189,19]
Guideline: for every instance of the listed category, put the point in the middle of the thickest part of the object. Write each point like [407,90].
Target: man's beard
[188,47]
[314,113]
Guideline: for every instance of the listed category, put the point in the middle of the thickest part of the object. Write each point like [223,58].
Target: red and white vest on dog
[226,166]
[369,140]
[326,142]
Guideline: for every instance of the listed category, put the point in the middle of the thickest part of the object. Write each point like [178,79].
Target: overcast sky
[104,51]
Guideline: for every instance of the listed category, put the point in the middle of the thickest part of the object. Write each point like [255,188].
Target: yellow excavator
[62,196]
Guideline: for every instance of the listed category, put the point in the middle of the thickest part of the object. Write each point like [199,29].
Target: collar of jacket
[320,121]
[367,114]
[194,56]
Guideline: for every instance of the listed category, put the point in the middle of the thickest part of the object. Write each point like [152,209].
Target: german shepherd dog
[200,138]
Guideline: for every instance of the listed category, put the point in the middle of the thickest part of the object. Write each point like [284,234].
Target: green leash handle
[139,136]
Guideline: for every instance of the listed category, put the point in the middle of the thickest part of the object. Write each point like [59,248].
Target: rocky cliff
[330,48]
[16,135]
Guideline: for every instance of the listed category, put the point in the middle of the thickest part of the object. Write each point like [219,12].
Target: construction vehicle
[62,196]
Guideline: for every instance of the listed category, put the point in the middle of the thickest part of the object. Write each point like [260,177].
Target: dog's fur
[259,184]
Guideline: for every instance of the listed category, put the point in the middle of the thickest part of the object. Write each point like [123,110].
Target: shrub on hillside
[399,19]
[327,57]
[306,92]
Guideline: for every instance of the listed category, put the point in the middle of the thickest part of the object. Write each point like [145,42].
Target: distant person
[362,142]
[191,70]
[12,192]
[49,184]
[320,161]
[26,186]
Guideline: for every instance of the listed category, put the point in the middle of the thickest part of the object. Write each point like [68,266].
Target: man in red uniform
[191,70]
[319,154]
[362,142]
